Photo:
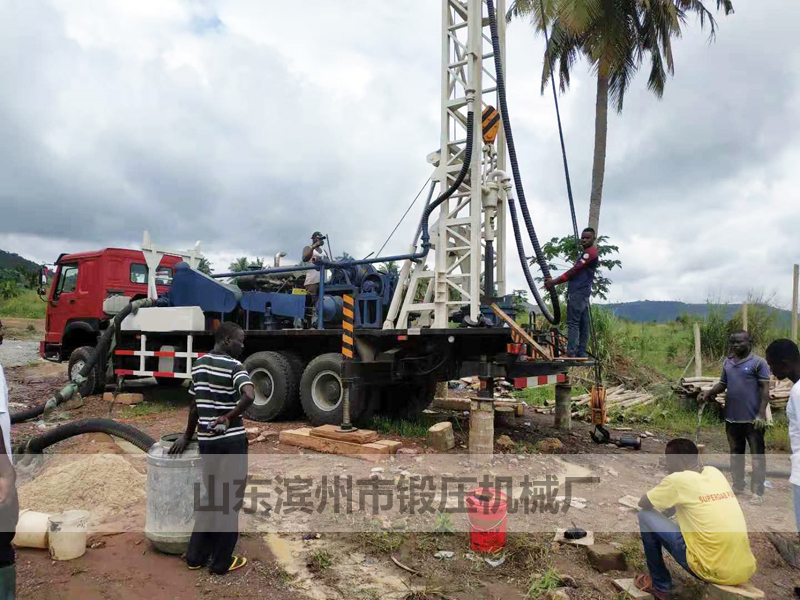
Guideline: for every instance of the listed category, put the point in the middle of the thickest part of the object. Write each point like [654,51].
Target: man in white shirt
[9,503]
[5,417]
[783,357]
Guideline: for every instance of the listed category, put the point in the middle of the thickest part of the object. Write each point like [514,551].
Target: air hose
[100,351]
[58,434]
[555,317]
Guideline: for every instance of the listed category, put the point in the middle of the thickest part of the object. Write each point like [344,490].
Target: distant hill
[647,311]
[11,260]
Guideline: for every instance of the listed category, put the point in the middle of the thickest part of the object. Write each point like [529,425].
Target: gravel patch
[15,353]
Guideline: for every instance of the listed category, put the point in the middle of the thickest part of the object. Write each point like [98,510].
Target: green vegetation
[319,560]
[777,436]
[395,427]
[444,523]
[541,583]
[25,305]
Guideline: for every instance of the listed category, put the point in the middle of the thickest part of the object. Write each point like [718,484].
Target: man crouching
[710,539]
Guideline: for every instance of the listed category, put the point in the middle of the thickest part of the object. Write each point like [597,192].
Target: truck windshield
[139,274]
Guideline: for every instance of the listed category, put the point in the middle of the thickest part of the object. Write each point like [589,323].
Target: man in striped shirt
[222,391]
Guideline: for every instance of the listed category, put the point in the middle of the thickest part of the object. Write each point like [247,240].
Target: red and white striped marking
[528,382]
[142,354]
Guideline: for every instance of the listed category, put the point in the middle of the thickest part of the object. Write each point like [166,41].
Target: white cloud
[250,124]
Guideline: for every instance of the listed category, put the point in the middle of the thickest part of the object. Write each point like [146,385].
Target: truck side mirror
[42,290]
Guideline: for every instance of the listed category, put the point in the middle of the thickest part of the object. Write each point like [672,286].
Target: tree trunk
[600,134]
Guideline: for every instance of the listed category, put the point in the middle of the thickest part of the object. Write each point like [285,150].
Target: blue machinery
[272,310]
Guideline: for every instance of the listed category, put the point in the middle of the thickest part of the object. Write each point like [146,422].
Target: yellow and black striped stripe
[490,123]
[347,326]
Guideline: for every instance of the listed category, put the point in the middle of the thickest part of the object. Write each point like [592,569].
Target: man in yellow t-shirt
[710,539]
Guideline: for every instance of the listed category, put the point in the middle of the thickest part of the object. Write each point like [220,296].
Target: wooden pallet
[316,440]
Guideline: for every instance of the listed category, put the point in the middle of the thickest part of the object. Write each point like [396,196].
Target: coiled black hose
[555,317]
[100,350]
[58,434]
[452,189]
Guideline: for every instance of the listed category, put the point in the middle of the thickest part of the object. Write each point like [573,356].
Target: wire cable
[404,215]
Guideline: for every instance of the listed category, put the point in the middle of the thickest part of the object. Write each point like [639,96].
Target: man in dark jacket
[581,279]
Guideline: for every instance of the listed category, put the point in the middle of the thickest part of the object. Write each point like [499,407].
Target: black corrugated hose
[100,350]
[555,317]
[452,189]
[58,434]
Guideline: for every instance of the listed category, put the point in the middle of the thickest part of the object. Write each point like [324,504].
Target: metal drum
[170,494]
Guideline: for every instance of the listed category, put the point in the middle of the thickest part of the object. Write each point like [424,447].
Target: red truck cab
[82,283]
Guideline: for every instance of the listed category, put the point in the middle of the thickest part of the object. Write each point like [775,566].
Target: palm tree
[204,266]
[240,264]
[614,36]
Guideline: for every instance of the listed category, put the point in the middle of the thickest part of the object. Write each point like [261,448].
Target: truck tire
[294,408]
[321,391]
[407,400]
[275,385]
[96,381]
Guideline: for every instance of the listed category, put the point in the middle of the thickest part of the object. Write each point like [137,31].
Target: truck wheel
[274,385]
[294,408]
[407,400]
[96,380]
[321,391]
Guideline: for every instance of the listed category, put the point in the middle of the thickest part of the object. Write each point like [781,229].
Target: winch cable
[555,317]
[405,214]
[598,369]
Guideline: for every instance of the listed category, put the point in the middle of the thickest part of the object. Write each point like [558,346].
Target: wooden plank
[331,432]
[628,586]
[520,331]
[303,438]
[390,444]
[464,403]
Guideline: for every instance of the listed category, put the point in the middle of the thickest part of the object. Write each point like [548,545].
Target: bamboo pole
[794,303]
[698,359]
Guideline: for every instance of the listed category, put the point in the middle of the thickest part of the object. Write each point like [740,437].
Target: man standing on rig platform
[581,279]
[311,254]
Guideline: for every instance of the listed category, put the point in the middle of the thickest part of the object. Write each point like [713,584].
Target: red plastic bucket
[487,514]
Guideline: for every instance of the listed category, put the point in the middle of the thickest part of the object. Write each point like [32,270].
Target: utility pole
[794,304]
[698,358]
[744,316]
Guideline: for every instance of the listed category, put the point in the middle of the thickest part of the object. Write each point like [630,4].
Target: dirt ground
[359,565]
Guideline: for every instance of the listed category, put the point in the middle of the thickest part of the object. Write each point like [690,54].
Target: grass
[145,408]
[777,436]
[401,428]
[25,306]
[383,542]
[541,583]
[634,554]
[319,560]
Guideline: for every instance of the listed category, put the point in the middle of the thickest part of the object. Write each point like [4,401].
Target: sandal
[645,583]
[191,568]
[237,563]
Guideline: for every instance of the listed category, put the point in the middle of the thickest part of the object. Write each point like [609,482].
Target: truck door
[62,301]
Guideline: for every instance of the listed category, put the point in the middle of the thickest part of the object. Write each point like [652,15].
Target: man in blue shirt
[581,279]
[746,377]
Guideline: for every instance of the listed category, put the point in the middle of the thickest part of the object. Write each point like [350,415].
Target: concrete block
[605,557]
[127,399]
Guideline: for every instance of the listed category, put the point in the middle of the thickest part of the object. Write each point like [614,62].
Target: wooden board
[464,404]
[587,541]
[331,432]
[732,592]
[520,331]
[629,587]
[303,438]
[390,444]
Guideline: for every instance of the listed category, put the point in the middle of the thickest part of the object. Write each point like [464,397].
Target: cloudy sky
[248,124]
